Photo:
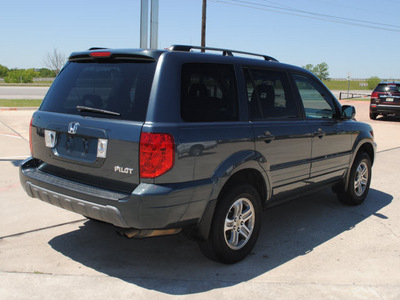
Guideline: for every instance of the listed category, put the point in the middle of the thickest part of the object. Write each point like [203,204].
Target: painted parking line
[9,187]
[11,135]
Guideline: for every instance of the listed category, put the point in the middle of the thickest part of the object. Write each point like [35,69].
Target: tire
[372,116]
[235,227]
[359,181]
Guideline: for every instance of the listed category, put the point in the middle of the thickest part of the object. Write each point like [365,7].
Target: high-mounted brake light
[100,54]
[156,154]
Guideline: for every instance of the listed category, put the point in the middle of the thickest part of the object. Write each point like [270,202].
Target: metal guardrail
[39,79]
[347,95]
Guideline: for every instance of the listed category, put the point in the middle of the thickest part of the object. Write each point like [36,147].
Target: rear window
[391,88]
[119,87]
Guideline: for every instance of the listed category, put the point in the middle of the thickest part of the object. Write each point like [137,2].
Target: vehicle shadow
[388,118]
[15,162]
[174,265]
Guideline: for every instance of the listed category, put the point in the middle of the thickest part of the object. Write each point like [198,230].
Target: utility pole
[203,25]
[154,24]
[144,24]
[348,84]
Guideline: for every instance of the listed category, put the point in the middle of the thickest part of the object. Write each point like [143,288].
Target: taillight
[374,97]
[156,154]
[30,137]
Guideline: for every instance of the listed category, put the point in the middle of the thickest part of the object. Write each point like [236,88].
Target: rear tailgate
[389,93]
[88,127]
[94,151]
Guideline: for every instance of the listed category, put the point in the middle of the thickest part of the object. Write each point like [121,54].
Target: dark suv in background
[156,142]
[385,100]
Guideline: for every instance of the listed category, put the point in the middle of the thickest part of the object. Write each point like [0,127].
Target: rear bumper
[385,109]
[149,206]
[106,213]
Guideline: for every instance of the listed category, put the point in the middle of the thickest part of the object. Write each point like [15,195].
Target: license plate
[389,99]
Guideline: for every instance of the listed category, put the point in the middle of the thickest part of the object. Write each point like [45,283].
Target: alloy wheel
[239,223]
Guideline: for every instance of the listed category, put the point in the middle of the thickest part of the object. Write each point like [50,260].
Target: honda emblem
[73,127]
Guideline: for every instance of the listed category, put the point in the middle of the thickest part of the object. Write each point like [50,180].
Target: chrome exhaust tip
[138,234]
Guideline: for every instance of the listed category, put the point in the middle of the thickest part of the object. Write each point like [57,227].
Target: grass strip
[41,83]
[20,102]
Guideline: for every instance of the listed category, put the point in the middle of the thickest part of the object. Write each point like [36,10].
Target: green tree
[3,71]
[44,72]
[309,67]
[373,82]
[21,76]
[320,70]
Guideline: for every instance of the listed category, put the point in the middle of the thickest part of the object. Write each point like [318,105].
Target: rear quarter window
[120,87]
[208,93]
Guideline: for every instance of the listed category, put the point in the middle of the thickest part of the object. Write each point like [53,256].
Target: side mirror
[348,112]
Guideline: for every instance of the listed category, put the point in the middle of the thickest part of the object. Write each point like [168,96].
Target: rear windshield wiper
[97,110]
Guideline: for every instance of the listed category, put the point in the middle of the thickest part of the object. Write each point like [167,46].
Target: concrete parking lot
[312,248]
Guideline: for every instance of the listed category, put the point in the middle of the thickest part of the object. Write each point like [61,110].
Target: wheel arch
[364,146]
[249,176]
[369,149]
[242,167]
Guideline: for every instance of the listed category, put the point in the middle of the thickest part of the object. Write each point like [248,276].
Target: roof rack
[225,52]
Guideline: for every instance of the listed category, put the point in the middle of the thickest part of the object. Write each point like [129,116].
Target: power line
[309,15]
[317,14]
[376,9]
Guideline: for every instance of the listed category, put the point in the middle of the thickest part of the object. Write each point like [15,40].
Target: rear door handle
[267,137]
[319,133]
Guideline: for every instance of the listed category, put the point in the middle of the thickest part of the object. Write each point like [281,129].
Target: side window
[315,103]
[269,95]
[208,93]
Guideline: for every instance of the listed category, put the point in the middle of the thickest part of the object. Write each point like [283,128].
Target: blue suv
[160,141]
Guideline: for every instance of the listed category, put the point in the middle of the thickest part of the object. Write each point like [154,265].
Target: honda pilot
[161,141]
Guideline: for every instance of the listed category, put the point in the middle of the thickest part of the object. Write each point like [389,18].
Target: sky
[356,38]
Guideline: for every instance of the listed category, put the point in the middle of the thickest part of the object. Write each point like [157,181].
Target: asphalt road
[23,92]
[312,248]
